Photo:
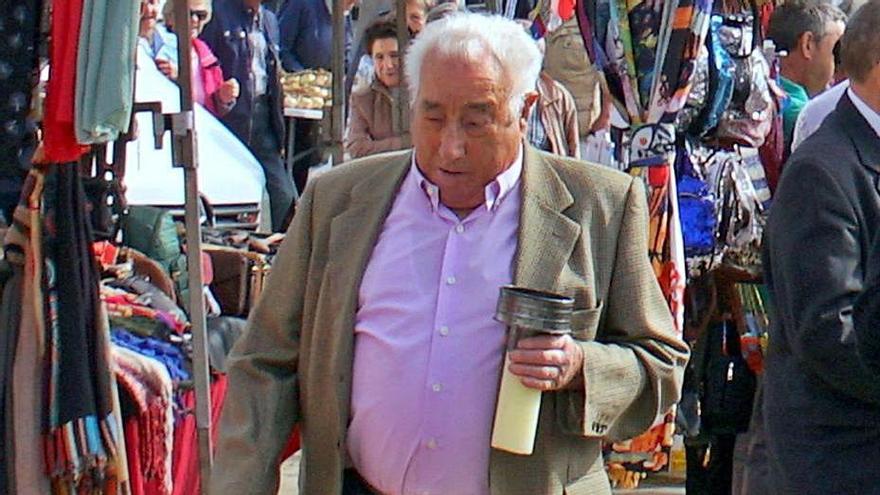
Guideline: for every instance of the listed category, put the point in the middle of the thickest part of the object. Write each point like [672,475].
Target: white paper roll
[516,415]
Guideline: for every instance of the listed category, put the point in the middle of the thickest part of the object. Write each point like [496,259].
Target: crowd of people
[240,49]
[391,265]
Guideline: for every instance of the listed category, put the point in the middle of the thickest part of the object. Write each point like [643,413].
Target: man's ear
[806,45]
[530,99]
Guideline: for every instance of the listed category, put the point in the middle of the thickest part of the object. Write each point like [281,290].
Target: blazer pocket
[585,322]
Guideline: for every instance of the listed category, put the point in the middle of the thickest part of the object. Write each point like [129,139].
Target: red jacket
[211,75]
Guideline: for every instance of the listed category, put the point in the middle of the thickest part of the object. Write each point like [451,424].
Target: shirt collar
[867,112]
[495,191]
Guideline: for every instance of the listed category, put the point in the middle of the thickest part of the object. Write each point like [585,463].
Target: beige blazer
[582,232]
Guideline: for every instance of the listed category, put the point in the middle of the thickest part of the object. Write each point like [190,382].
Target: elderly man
[821,405]
[376,331]
[806,30]
[370,126]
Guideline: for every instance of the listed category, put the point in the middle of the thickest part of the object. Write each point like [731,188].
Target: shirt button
[431,444]
[436,387]
[450,280]
[444,331]
[459,228]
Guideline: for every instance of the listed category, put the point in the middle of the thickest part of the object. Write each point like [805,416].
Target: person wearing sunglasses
[208,85]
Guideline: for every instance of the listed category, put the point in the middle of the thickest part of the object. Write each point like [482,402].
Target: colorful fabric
[81,435]
[150,384]
[648,50]
[59,140]
[168,354]
[105,70]
[185,459]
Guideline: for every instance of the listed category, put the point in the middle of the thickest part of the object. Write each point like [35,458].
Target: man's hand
[168,68]
[548,362]
[228,91]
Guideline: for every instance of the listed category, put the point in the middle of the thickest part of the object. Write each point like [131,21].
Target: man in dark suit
[244,36]
[822,406]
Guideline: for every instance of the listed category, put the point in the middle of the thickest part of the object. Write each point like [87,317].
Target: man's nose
[452,142]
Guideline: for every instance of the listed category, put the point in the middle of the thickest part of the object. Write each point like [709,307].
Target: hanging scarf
[648,50]
[80,444]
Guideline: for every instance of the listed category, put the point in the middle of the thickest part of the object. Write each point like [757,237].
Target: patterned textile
[536,134]
[82,433]
[150,385]
[648,50]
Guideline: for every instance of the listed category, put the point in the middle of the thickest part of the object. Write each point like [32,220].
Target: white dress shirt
[867,112]
[814,113]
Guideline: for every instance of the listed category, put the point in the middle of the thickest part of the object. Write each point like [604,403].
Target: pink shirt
[428,353]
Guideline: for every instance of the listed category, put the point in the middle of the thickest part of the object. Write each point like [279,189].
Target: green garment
[797,98]
[105,69]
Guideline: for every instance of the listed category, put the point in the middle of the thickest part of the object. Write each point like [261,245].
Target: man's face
[386,61]
[199,15]
[149,12]
[462,130]
[820,72]
[415,18]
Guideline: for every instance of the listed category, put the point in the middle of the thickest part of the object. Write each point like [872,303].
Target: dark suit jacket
[226,34]
[822,407]
[583,232]
[866,314]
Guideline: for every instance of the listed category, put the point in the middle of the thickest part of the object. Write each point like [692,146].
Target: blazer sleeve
[634,369]
[816,271]
[262,402]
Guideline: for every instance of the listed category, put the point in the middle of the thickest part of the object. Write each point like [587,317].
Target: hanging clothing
[105,70]
[10,319]
[79,385]
[185,460]
[150,385]
[25,379]
[59,140]
[18,69]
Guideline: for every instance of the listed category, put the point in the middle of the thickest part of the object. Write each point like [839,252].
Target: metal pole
[400,118]
[184,152]
[337,111]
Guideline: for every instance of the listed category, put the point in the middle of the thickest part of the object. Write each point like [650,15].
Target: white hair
[472,37]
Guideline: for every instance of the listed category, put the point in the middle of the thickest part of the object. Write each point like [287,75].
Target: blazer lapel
[546,235]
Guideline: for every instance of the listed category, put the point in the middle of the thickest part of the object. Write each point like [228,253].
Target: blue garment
[307,35]
[227,36]
[167,354]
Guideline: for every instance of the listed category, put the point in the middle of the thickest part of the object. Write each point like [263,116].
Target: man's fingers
[543,385]
[543,342]
[545,357]
[548,373]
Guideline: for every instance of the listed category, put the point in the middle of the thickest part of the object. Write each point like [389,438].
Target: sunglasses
[201,15]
